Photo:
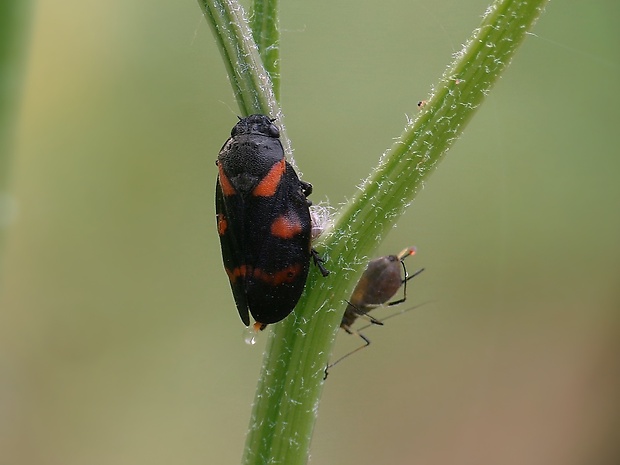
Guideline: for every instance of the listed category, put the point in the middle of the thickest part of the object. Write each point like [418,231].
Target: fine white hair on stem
[322,216]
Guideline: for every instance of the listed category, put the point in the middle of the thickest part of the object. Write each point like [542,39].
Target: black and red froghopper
[263,220]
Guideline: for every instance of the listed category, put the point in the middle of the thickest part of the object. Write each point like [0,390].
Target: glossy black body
[263,222]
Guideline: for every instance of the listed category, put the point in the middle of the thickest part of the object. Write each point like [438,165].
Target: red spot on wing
[286,275]
[239,272]
[286,226]
[222,224]
[225,184]
[272,278]
[269,184]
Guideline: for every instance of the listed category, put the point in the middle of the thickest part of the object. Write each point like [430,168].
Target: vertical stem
[15,16]
[250,81]
[264,22]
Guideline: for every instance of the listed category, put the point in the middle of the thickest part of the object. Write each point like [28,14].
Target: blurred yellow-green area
[119,339]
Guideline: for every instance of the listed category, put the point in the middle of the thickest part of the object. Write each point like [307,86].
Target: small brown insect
[380,282]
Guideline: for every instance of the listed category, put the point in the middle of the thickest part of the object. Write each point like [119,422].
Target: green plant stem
[15,18]
[249,79]
[298,349]
[264,23]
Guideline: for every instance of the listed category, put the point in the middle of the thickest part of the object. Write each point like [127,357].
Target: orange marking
[287,275]
[225,184]
[240,271]
[269,184]
[259,326]
[406,253]
[286,226]
[222,224]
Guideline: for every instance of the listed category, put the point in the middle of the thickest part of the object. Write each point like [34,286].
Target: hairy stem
[265,30]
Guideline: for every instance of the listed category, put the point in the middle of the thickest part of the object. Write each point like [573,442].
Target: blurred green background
[119,339]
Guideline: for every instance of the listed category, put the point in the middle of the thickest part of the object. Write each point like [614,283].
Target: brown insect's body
[379,283]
